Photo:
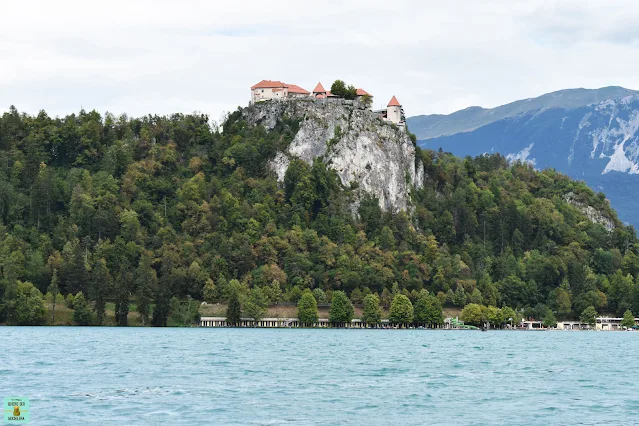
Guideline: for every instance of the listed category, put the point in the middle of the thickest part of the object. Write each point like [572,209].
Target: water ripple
[309,377]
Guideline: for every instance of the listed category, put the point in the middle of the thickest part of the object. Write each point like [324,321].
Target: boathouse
[292,323]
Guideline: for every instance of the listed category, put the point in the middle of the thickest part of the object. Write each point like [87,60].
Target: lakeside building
[532,325]
[603,323]
[294,323]
[267,90]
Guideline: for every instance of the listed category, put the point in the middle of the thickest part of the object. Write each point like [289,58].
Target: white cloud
[160,57]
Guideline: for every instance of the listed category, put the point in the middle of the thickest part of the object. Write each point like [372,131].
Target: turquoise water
[130,376]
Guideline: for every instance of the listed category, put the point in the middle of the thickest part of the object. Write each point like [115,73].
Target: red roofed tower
[394,112]
[394,102]
[319,91]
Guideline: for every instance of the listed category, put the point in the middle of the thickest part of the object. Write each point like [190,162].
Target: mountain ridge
[471,118]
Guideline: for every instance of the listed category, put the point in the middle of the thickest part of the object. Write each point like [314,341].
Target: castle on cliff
[272,89]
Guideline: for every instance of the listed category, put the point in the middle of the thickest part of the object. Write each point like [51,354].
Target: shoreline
[313,328]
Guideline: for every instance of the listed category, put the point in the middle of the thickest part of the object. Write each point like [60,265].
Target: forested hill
[153,209]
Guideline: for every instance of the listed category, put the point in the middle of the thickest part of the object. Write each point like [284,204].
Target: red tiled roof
[267,84]
[362,92]
[394,102]
[319,88]
[293,88]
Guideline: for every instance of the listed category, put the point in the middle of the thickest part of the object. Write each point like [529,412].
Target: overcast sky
[161,57]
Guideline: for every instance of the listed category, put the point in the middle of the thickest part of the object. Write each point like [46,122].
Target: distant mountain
[588,134]
[432,126]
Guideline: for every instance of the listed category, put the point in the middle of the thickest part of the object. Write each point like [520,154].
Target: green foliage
[209,291]
[510,316]
[339,89]
[184,312]
[428,310]
[589,316]
[401,310]
[372,312]
[320,296]
[367,101]
[28,308]
[234,309]
[294,294]
[493,315]
[98,204]
[122,302]
[628,319]
[459,297]
[472,314]
[413,138]
[81,311]
[341,310]
[162,308]
[335,139]
[100,285]
[307,309]
[559,299]
[69,300]
[549,319]
[146,281]
[274,292]
[256,305]
[54,291]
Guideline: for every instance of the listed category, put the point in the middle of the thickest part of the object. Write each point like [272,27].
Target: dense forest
[155,214]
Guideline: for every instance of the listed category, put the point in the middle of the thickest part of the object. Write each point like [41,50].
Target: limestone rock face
[593,214]
[363,149]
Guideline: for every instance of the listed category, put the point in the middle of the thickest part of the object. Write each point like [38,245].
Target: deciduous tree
[401,310]
[29,305]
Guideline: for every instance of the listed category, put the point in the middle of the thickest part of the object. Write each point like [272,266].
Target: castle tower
[319,92]
[394,111]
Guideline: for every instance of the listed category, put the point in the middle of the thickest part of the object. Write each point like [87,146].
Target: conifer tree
[99,288]
[162,307]
[146,284]
[341,310]
[122,295]
[54,289]
[307,309]
[81,311]
[234,309]
[372,312]
[628,320]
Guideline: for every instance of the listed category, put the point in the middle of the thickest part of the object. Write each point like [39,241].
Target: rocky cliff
[367,153]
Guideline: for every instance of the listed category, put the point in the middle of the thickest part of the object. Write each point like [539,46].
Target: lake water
[130,376]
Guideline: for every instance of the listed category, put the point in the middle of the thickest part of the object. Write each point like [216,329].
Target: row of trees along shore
[142,219]
[427,310]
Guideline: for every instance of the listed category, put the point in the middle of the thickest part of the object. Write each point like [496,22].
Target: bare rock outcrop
[366,152]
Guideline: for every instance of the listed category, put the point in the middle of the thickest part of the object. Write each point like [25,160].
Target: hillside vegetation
[166,211]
